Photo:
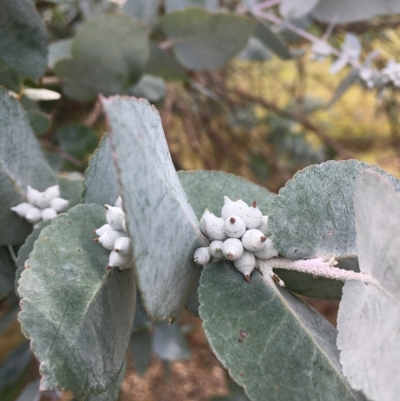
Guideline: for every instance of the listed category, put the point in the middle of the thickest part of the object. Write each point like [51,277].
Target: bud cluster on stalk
[41,206]
[113,236]
[240,235]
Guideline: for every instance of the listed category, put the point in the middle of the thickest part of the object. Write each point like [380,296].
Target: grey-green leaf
[117,42]
[356,10]
[203,40]
[345,84]
[21,164]
[78,316]
[101,181]
[206,190]
[30,392]
[160,219]
[140,346]
[313,214]
[369,319]
[271,341]
[71,188]
[23,38]
[272,40]
[143,10]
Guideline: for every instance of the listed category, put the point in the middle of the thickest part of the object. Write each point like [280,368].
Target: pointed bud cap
[118,202]
[59,205]
[114,216]
[267,251]
[53,192]
[33,215]
[253,240]
[100,231]
[216,249]
[48,214]
[202,255]
[252,216]
[107,240]
[22,209]
[32,195]
[234,227]
[118,260]
[123,246]
[232,249]
[232,208]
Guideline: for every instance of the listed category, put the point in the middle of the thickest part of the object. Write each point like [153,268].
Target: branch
[66,156]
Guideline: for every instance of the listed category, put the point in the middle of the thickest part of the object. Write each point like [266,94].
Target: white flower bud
[59,204]
[127,265]
[231,208]
[53,192]
[123,246]
[118,260]
[268,251]
[253,240]
[263,227]
[252,216]
[124,224]
[216,249]
[108,238]
[235,227]
[22,209]
[202,255]
[246,264]
[32,195]
[232,249]
[114,216]
[118,202]
[212,226]
[48,213]
[33,215]
[100,231]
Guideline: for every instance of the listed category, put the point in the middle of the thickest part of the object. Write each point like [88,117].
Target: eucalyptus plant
[78,311]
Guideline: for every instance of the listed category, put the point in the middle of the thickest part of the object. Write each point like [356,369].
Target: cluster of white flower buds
[113,236]
[41,205]
[240,235]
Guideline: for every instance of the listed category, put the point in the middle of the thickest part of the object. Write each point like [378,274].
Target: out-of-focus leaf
[14,365]
[119,43]
[236,393]
[59,50]
[76,139]
[313,214]
[142,319]
[23,44]
[369,318]
[7,272]
[10,78]
[292,9]
[101,181]
[71,188]
[155,204]
[149,87]
[40,122]
[30,392]
[203,40]
[10,314]
[255,50]
[357,10]
[206,190]
[176,5]
[82,82]
[169,343]
[82,342]
[140,346]
[21,163]
[345,84]
[192,303]
[143,10]
[273,41]
[273,344]
[161,64]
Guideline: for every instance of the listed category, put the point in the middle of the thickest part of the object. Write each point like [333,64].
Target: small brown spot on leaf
[242,335]
[241,373]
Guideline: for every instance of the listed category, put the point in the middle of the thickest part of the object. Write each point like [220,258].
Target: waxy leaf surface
[272,342]
[21,164]
[369,319]
[163,225]
[78,316]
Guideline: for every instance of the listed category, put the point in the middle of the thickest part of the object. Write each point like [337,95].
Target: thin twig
[66,156]
[12,254]
[93,114]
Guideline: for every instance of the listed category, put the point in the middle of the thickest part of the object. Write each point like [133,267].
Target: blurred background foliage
[235,94]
